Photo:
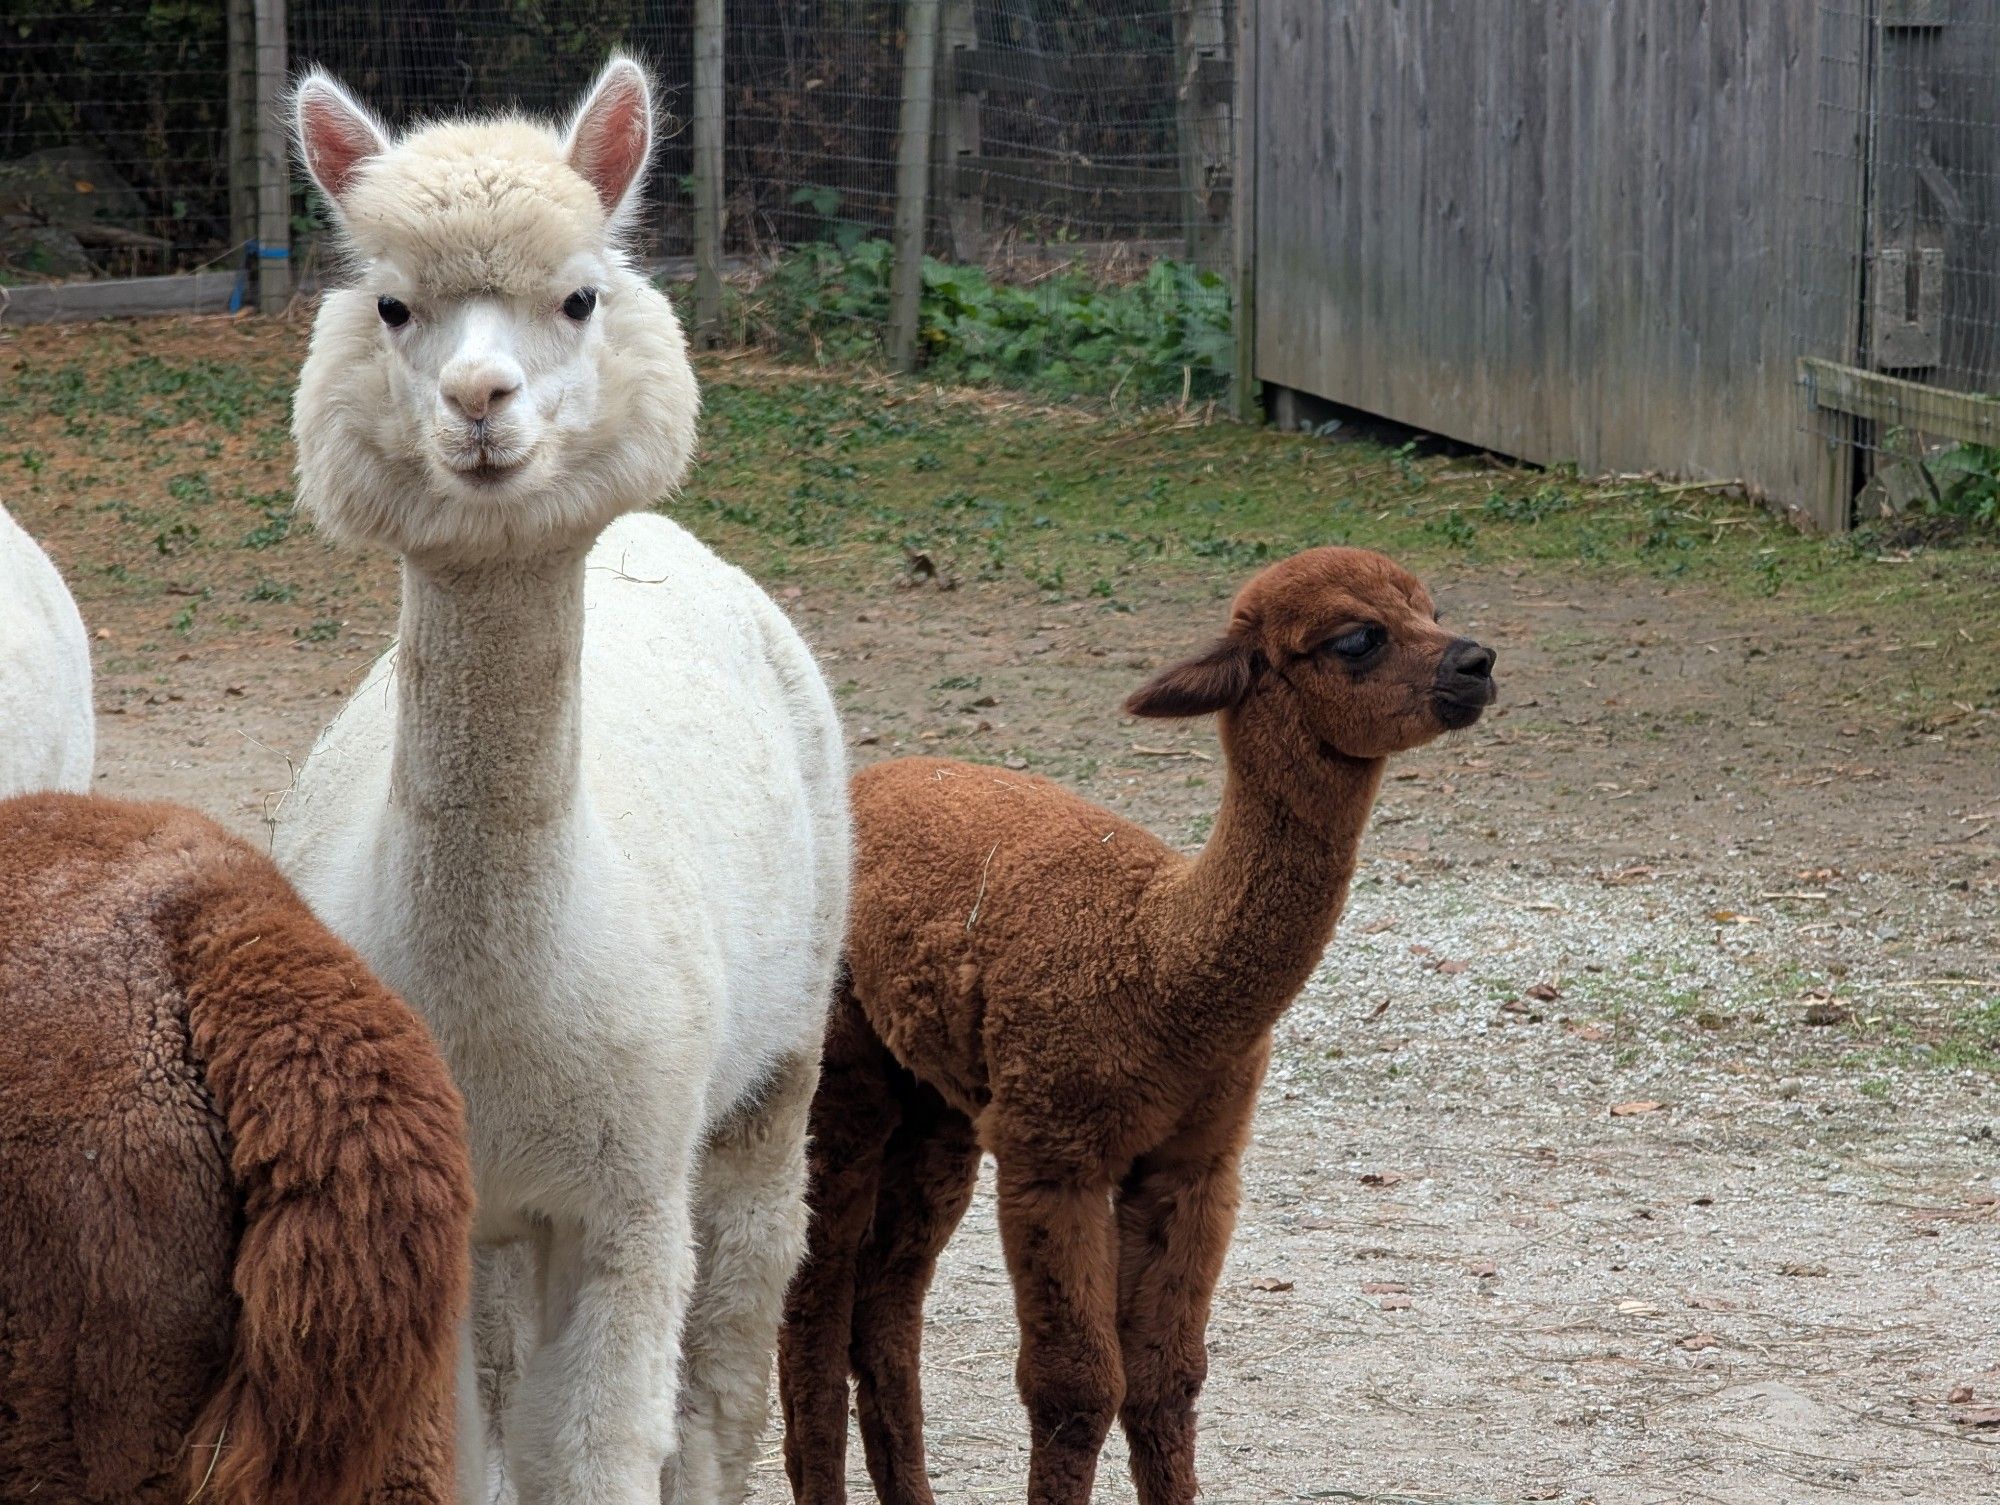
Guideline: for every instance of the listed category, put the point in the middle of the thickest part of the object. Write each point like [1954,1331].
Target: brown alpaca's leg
[852,1117]
[1176,1211]
[1062,1258]
[927,1177]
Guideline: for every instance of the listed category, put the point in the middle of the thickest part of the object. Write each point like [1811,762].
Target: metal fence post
[913,171]
[1243,396]
[708,126]
[274,163]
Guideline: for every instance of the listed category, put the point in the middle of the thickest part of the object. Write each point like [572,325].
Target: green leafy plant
[1158,339]
[1968,483]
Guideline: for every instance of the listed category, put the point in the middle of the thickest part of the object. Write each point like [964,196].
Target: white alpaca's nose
[477,390]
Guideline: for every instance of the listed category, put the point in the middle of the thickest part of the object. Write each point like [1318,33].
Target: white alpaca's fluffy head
[499,382]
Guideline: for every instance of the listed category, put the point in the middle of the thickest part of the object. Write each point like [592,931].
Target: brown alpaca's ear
[1209,682]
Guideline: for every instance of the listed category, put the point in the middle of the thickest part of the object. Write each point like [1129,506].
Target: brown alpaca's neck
[1241,928]
[488,685]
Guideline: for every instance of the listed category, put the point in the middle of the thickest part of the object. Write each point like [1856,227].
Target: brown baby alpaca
[1034,977]
[234,1190]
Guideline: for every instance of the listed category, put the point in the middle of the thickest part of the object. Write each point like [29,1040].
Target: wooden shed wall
[1598,231]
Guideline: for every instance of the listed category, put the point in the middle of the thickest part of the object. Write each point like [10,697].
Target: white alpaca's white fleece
[588,815]
[48,727]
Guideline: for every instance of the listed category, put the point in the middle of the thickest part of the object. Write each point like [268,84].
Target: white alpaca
[48,729]
[589,814]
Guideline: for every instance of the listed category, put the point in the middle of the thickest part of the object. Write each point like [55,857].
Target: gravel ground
[1493,1288]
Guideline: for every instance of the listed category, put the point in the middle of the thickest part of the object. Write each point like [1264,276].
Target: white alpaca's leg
[506,1324]
[750,1216]
[592,1418]
[471,1442]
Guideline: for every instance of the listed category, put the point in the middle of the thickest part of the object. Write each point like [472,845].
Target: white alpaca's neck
[485,778]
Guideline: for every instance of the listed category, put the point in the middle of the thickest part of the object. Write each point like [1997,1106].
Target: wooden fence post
[1202,89]
[274,162]
[913,171]
[1243,396]
[708,112]
[242,31]
[958,129]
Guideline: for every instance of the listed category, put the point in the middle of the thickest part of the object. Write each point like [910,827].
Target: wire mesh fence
[114,140]
[1910,172]
[1079,151]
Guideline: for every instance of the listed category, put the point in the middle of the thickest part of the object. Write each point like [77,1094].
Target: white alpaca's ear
[336,133]
[611,136]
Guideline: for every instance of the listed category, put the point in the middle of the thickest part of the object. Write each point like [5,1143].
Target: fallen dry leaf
[1379,924]
[1985,1416]
[1547,992]
[1381,1178]
[1452,969]
[1379,1010]
[1634,1109]
[1833,1011]
[1484,1269]
[1696,1342]
[1270,1283]
[1384,1288]
[1399,1303]
[1802,1269]
[1627,875]
[1961,1395]
[1638,1309]
[1594,1033]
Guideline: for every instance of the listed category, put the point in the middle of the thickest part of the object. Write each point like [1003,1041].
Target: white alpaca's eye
[580,304]
[395,313]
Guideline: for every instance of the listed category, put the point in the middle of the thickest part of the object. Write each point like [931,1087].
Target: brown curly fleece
[234,1189]
[1037,978]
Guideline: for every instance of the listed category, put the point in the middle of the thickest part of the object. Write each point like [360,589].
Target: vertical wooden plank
[913,167]
[707,169]
[1243,398]
[274,175]
[1201,43]
[958,129]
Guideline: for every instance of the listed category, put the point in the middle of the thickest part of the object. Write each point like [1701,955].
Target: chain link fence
[1909,187]
[1079,153]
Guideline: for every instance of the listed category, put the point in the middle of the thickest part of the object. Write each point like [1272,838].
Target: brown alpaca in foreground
[1035,977]
[234,1191]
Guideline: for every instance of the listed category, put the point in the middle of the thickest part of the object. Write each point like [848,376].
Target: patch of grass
[1972,1040]
[1075,503]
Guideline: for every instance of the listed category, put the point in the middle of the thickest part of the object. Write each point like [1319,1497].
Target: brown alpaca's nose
[1473,660]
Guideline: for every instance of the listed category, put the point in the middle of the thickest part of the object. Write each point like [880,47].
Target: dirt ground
[1765,1290]
[1637,1139]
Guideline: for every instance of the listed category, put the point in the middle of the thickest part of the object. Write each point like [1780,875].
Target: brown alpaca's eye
[1356,644]
[395,313]
[580,304]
